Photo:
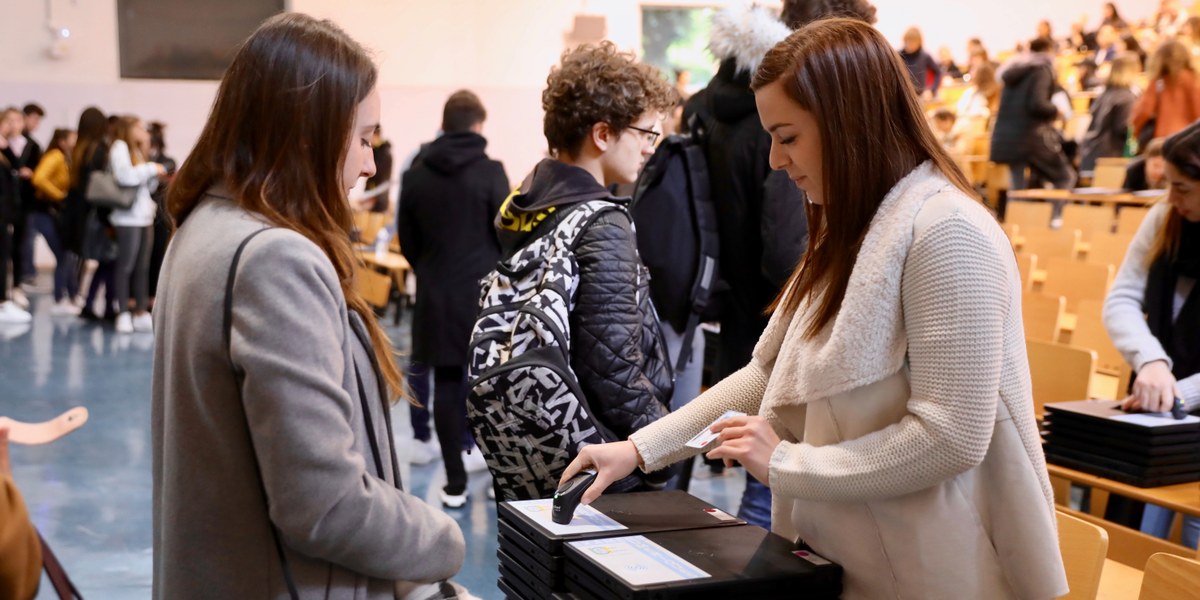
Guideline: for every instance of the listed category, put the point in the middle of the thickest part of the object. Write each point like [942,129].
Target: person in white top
[889,403]
[134,225]
[1152,312]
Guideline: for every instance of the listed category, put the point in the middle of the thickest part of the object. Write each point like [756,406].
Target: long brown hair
[1171,59]
[277,137]
[123,132]
[873,133]
[983,77]
[93,126]
[1182,151]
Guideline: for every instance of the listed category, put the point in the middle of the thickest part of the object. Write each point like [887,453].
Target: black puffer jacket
[617,348]
[1026,115]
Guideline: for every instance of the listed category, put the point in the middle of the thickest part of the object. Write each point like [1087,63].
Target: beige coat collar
[866,342]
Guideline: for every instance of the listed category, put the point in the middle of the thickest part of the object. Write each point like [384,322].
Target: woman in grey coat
[274,470]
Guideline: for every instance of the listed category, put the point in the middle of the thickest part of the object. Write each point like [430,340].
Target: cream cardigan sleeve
[662,442]
[957,294]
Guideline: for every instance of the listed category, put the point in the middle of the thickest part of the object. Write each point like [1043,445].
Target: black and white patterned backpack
[525,404]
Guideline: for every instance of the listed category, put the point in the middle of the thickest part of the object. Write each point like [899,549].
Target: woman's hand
[748,440]
[611,462]
[1154,390]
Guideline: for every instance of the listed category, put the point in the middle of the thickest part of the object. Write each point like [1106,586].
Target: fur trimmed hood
[745,34]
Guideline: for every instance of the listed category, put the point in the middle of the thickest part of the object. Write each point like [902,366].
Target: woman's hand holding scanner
[1154,389]
[748,440]
[567,496]
[611,463]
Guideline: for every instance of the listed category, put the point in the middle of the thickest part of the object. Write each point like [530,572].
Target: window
[675,39]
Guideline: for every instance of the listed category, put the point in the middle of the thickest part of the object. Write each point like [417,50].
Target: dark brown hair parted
[93,125]
[871,137]
[599,84]
[277,137]
[1182,151]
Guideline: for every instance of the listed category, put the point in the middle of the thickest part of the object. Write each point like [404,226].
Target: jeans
[756,503]
[105,275]
[418,382]
[65,283]
[687,386]
[1157,520]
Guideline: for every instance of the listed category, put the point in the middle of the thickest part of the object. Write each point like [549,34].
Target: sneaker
[124,323]
[64,308]
[20,299]
[87,314]
[454,500]
[11,313]
[424,452]
[143,323]
[473,461]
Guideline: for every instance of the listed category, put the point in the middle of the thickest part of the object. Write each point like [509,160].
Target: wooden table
[397,266]
[391,261]
[1072,196]
[1183,497]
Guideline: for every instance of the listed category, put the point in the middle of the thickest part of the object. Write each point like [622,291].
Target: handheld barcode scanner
[567,496]
[1177,409]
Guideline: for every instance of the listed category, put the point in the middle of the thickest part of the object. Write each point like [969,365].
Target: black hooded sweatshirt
[447,203]
[617,349]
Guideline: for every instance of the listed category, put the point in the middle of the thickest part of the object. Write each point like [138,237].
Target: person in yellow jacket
[20,550]
[51,182]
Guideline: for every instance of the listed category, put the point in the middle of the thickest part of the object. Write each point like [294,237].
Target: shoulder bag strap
[228,334]
[63,586]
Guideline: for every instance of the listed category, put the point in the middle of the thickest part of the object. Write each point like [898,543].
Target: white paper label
[638,560]
[1155,419]
[586,519]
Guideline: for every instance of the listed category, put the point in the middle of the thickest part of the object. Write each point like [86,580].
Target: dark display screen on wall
[185,39]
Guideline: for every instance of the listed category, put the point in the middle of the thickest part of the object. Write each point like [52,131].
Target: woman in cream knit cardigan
[893,417]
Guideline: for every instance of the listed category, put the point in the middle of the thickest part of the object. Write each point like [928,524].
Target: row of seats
[1107,560]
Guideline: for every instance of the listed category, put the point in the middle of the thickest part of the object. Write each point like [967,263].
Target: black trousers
[449,419]
[6,256]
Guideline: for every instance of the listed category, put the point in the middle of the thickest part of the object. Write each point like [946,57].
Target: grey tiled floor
[89,493]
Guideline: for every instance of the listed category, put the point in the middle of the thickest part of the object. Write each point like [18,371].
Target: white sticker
[811,557]
[585,520]
[638,560]
[1163,419]
[706,436]
[720,515]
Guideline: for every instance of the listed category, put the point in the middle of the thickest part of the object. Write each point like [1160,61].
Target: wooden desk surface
[1183,497]
[390,261]
[1072,196]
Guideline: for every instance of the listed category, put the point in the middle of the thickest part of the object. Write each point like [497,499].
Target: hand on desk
[1154,389]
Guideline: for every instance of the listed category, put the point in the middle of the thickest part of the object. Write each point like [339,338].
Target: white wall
[426,49]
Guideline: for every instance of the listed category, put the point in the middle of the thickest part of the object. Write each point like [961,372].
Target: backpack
[676,223]
[525,404]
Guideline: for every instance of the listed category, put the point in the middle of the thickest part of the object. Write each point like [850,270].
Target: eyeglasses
[653,135]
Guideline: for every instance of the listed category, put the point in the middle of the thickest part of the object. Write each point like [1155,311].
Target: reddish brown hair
[871,137]
[277,137]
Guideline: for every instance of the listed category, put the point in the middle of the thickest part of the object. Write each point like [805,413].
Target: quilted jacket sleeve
[608,329]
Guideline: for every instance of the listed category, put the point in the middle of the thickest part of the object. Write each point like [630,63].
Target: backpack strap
[706,270]
[228,335]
